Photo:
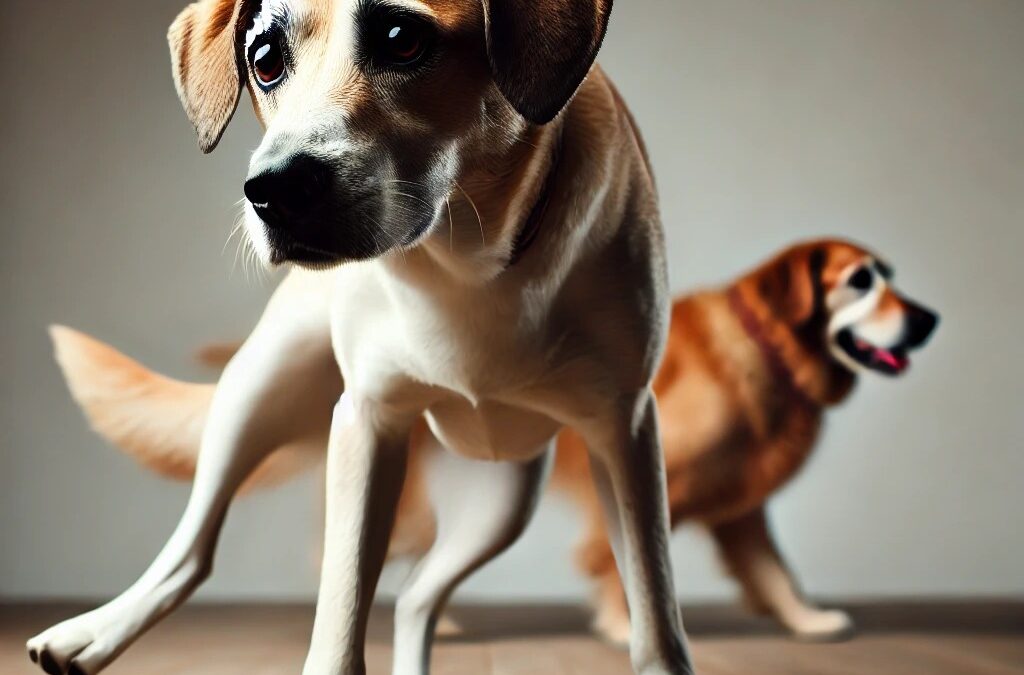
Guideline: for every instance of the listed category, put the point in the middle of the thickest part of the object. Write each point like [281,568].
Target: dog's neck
[796,356]
[527,232]
[496,209]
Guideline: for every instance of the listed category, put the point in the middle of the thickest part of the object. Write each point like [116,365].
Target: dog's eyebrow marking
[408,5]
[263,19]
[884,268]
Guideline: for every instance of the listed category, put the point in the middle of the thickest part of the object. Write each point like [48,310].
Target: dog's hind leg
[271,390]
[629,472]
[751,555]
[481,509]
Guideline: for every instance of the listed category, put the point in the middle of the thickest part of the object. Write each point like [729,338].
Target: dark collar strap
[755,330]
[531,227]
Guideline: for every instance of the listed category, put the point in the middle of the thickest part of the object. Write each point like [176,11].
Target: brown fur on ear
[540,50]
[791,284]
[204,61]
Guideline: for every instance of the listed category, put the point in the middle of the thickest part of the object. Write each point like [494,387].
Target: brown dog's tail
[154,419]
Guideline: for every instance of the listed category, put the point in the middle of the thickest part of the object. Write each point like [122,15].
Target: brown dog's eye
[268,63]
[862,279]
[397,38]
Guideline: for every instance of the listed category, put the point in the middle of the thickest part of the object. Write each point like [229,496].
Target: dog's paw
[659,670]
[447,627]
[78,646]
[613,628]
[822,625]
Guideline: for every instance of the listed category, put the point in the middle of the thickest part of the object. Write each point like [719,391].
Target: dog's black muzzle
[315,213]
[921,323]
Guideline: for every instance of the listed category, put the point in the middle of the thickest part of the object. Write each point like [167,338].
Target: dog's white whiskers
[405,194]
[407,182]
[249,260]
[245,259]
[259,270]
[451,226]
[526,142]
[479,220]
[240,244]
[393,242]
[234,231]
[251,266]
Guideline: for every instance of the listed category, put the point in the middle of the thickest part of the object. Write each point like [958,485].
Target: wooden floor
[928,639]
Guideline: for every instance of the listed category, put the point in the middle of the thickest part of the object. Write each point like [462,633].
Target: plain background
[899,123]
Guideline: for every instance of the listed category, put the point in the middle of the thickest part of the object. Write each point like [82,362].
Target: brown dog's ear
[791,285]
[204,59]
[540,50]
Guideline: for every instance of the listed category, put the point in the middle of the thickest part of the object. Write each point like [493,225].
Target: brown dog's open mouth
[892,361]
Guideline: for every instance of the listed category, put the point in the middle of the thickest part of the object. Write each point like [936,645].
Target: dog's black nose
[290,188]
[921,322]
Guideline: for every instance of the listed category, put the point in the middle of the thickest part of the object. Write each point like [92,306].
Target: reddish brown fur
[732,433]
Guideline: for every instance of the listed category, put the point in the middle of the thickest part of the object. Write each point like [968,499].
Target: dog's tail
[154,419]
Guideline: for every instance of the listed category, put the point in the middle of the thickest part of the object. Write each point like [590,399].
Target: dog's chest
[480,366]
[489,430]
[474,360]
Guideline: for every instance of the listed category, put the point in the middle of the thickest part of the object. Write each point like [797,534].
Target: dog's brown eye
[396,38]
[862,279]
[403,42]
[268,63]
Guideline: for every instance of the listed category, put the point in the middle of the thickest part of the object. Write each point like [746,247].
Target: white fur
[856,310]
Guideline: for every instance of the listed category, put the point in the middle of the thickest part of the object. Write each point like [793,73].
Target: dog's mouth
[285,248]
[889,361]
[310,244]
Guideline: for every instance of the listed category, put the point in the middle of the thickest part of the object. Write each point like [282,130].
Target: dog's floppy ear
[540,50]
[204,59]
[791,285]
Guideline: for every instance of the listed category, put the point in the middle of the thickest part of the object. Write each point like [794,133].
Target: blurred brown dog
[748,372]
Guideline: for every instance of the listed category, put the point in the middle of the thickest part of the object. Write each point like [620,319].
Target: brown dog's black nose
[289,189]
[921,322]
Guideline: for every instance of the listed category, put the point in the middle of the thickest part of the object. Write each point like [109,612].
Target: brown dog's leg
[597,560]
[611,620]
[749,551]
[594,555]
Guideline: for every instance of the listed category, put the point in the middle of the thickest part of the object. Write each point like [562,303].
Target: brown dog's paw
[824,625]
[613,628]
[447,627]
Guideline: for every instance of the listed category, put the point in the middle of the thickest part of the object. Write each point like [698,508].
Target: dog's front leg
[629,473]
[366,459]
[279,385]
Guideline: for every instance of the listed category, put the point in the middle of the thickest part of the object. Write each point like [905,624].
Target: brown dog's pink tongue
[889,358]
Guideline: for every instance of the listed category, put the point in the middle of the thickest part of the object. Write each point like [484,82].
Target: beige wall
[897,122]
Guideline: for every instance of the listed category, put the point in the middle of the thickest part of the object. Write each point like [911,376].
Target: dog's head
[841,296]
[373,107]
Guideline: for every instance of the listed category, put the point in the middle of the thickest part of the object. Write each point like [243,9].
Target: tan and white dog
[497,269]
